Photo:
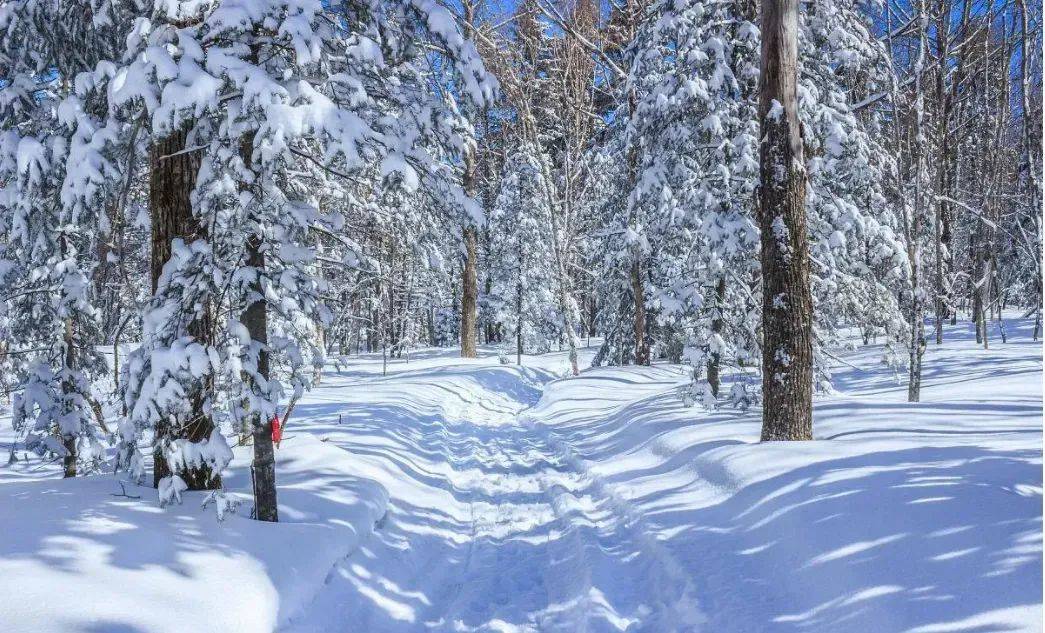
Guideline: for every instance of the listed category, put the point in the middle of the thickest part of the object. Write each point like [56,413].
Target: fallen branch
[123,492]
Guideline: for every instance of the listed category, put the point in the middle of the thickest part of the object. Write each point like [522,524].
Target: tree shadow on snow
[886,541]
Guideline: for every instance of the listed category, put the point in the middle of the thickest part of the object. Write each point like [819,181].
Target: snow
[77,558]
[465,495]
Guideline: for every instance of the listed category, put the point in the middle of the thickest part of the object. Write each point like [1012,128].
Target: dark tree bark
[638,290]
[593,315]
[172,177]
[714,358]
[787,309]
[69,441]
[255,320]
[518,311]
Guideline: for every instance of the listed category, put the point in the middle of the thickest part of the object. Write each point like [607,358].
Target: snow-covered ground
[459,495]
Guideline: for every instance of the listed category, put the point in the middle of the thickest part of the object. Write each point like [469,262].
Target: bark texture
[915,320]
[714,357]
[469,278]
[171,181]
[255,320]
[469,296]
[69,441]
[787,352]
[638,289]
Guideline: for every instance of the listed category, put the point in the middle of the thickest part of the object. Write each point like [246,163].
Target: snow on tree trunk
[916,321]
[255,320]
[715,353]
[787,312]
[172,178]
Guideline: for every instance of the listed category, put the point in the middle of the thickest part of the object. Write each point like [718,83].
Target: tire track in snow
[618,526]
[591,532]
[537,544]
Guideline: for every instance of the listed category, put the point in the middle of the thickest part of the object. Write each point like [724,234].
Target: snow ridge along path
[493,524]
[465,495]
[523,502]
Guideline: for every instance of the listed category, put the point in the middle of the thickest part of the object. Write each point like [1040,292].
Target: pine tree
[255,110]
[520,247]
[53,174]
[692,208]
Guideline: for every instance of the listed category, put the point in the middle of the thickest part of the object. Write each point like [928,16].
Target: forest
[427,282]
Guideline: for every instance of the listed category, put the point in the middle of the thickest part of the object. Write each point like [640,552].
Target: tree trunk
[469,280]
[787,308]
[69,439]
[916,322]
[638,290]
[172,177]
[714,358]
[255,320]
[519,310]
[593,317]
[996,286]
[468,297]
[1030,153]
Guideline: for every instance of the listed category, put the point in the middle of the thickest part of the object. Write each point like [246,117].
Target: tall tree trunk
[469,277]
[69,439]
[468,296]
[519,306]
[714,357]
[996,286]
[916,322]
[942,220]
[1031,152]
[172,177]
[638,290]
[593,315]
[255,320]
[975,279]
[787,306]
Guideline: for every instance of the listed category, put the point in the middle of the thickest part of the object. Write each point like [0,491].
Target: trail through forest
[519,534]
[470,495]
[523,501]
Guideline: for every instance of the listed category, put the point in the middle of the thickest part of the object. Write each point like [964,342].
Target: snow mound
[74,557]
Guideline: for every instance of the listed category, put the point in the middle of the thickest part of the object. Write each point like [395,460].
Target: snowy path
[529,540]
[455,495]
[520,502]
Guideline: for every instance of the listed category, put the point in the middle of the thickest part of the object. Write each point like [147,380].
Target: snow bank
[463,495]
[899,517]
[73,557]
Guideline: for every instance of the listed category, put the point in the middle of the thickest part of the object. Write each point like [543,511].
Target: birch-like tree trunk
[1030,153]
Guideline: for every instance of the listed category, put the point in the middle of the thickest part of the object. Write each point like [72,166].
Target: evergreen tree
[522,293]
